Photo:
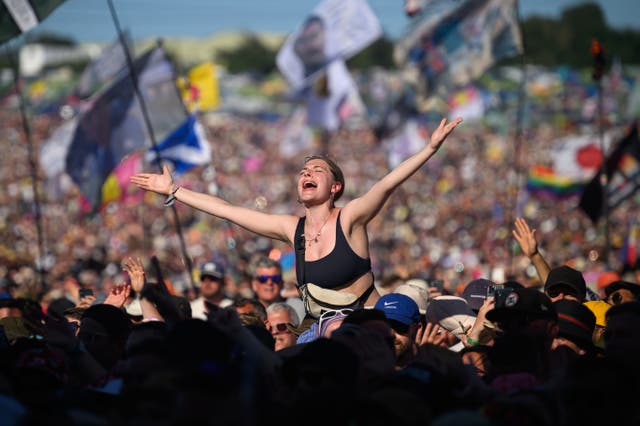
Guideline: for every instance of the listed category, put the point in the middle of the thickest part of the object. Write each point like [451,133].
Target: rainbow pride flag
[543,182]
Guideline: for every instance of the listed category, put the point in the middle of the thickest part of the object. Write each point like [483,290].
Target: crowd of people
[497,353]
[495,306]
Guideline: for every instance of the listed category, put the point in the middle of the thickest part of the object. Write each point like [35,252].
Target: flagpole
[517,146]
[597,52]
[26,127]
[147,120]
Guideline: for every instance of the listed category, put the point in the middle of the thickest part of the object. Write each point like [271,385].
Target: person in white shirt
[212,284]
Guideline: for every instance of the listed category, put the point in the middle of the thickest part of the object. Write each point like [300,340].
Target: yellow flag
[201,88]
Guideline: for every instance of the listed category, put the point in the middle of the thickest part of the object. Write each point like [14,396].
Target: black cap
[524,302]
[567,276]
[576,322]
[620,285]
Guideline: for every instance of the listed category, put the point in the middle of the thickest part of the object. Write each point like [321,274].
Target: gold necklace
[310,241]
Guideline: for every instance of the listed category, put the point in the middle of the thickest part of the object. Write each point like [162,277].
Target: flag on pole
[186,147]
[623,177]
[111,60]
[629,250]
[20,16]
[200,89]
[544,182]
[335,29]
[457,41]
[329,97]
[117,187]
[113,124]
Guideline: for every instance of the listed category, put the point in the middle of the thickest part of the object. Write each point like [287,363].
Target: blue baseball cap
[399,307]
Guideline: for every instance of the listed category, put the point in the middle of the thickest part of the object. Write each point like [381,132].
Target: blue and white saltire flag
[186,147]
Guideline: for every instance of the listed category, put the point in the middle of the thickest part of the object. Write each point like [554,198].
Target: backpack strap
[299,246]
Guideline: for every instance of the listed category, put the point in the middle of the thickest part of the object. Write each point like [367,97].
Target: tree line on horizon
[547,42]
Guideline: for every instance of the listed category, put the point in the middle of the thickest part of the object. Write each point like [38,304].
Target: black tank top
[336,269]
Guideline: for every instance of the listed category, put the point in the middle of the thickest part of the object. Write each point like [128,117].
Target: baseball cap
[399,307]
[418,294]
[475,293]
[524,302]
[212,269]
[452,313]
[567,276]
[620,285]
[575,322]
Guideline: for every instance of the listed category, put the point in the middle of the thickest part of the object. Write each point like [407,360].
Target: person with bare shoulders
[336,254]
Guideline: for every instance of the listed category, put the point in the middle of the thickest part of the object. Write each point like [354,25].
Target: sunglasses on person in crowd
[262,279]
[281,327]
[558,290]
[615,298]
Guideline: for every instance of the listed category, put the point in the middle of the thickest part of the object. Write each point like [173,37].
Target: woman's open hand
[162,184]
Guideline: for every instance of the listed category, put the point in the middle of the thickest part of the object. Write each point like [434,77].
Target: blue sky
[90,20]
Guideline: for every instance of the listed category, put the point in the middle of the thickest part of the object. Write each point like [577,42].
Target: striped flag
[544,182]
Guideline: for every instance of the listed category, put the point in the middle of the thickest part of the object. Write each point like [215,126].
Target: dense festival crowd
[452,221]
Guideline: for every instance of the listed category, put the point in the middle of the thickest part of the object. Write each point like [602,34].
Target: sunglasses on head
[333,313]
[262,279]
[281,327]
[330,314]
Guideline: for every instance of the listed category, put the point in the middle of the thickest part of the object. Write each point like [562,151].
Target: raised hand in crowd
[526,238]
[479,333]
[135,270]
[430,333]
[86,300]
[118,295]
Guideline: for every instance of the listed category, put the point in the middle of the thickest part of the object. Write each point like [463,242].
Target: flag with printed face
[455,42]
[335,29]
[112,125]
[20,16]
[186,147]
[623,177]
